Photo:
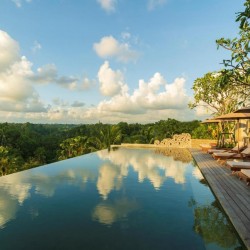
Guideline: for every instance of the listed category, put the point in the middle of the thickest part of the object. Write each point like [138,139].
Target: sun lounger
[246,152]
[211,151]
[245,175]
[206,147]
[227,155]
[238,165]
[231,150]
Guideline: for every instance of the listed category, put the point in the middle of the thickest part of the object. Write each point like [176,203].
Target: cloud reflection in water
[107,175]
[108,213]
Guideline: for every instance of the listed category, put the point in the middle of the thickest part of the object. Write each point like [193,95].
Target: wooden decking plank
[210,171]
[239,221]
[229,191]
[233,194]
[230,201]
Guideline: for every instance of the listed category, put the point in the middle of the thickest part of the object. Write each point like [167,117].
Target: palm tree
[107,136]
[73,147]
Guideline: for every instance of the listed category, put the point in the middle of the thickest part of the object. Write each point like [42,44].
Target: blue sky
[70,61]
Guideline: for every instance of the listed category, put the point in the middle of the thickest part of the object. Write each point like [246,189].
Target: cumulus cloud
[111,82]
[107,5]
[16,92]
[9,51]
[151,101]
[109,47]
[20,101]
[156,94]
[18,80]
[152,4]
[19,3]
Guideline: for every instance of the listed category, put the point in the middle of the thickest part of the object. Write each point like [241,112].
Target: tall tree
[216,98]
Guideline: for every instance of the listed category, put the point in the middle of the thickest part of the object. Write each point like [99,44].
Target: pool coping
[233,194]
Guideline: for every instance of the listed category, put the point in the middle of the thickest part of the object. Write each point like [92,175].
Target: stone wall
[193,144]
[178,141]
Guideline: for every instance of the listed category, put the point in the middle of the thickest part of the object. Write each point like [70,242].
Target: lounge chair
[232,150]
[245,175]
[245,153]
[227,155]
[205,147]
[211,151]
[237,165]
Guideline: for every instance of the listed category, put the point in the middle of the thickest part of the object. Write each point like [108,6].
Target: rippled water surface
[123,199]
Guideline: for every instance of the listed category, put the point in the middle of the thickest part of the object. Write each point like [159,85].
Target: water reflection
[150,166]
[8,208]
[210,223]
[178,154]
[110,178]
[197,174]
[16,188]
[108,213]
[115,189]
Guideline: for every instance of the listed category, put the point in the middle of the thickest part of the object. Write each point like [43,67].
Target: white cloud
[19,3]
[109,47]
[16,92]
[152,4]
[202,111]
[20,101]
[111,82]
[156,94]
[36,46]
[9,51]
[151,101]
[107,5]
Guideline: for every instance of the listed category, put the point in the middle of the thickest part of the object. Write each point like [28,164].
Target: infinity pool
[122,199]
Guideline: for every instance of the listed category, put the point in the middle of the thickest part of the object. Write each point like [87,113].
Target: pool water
[122,199]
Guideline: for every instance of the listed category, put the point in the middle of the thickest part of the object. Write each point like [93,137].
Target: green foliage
[211,225]
[203,132]
[73,147]
[237,70]
[30,145]
[9,161]
[215,97]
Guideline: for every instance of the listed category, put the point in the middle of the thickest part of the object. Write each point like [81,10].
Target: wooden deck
[233,194]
